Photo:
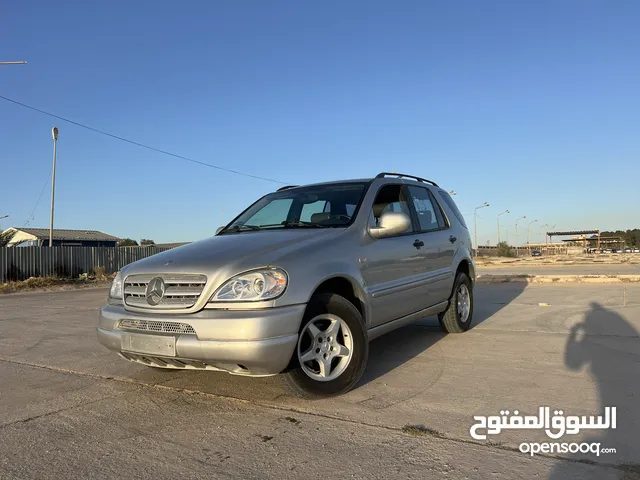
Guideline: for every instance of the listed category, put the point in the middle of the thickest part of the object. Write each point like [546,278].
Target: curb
[558,278]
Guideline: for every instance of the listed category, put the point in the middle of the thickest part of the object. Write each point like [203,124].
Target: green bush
[504,250]
[99,273]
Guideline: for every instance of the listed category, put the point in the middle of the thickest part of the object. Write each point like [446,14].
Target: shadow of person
[608,347]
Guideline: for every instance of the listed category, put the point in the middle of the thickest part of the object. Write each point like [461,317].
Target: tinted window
[429,218]
[452,205]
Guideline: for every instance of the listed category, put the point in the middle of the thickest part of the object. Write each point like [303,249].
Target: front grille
[156,326]
[181,291]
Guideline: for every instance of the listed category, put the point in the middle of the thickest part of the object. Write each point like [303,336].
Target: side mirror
[391,223]
[218,230]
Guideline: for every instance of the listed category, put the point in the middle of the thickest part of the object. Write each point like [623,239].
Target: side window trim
[415,222]
[436,207]
[446,224]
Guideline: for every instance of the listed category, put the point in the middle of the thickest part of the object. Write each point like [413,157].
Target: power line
[38,202]
[138,144]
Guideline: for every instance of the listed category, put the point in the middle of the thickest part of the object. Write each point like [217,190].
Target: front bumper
[244,342]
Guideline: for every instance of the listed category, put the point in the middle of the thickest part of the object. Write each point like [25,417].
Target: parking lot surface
[70,408]
[593,269]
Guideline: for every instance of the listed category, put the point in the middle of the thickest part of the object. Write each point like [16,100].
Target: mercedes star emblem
[155,291]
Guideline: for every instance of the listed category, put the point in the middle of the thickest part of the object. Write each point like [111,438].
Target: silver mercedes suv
[299,283]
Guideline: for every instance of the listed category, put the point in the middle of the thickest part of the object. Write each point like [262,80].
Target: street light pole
[13,63]
[545,235]
[475,224]
[54,134]
[529,235]
[524,216]
[506,211]
[548,238]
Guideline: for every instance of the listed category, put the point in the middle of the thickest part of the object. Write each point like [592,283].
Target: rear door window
[429,216]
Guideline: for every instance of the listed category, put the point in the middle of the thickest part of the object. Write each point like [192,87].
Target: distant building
[170,245]
[39,237]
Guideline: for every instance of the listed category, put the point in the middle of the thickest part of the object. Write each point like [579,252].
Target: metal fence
[20,263]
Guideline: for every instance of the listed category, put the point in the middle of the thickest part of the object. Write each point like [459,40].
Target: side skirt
[376,332]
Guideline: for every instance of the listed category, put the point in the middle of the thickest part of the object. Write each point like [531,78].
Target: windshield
[321,206]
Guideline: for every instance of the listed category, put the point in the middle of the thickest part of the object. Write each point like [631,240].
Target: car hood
[230,251]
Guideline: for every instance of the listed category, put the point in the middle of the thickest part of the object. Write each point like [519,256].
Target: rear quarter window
[452,205]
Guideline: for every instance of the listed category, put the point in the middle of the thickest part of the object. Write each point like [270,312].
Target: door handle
[452,239]
[418,244]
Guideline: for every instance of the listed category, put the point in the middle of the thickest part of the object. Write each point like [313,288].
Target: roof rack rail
[419,179]
[286,187]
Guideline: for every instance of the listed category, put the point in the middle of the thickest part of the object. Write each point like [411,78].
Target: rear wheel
[332,349]
[457,317]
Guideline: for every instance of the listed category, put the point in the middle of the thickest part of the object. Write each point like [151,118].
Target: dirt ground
[612,259]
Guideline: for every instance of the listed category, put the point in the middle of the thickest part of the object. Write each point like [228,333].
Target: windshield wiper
[298,223]
[239,228]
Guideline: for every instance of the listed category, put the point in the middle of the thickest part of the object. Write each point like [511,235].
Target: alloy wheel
[325,347]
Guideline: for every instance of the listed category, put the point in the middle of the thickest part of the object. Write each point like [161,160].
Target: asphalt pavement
[70,408]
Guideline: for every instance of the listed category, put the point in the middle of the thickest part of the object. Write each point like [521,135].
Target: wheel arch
[467,267]
[348,287]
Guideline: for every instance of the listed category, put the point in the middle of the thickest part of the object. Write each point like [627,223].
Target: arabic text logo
[555,426]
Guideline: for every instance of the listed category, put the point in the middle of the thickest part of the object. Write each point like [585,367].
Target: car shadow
[607,346]
[391,351]
[398,347]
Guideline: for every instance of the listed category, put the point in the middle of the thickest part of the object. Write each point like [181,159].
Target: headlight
[253,286]
[116,287]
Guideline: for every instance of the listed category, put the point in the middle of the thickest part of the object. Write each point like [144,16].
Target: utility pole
[54,134]
[521,218]
[545,235]
[529,235]
[475,224]
[506,211]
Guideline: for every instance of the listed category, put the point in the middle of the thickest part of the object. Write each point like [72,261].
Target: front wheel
[457,317]
[332,349]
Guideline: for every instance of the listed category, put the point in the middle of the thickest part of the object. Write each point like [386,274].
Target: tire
[307,378]
[453,319]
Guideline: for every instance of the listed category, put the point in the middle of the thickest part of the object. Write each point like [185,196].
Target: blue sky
[532,106]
